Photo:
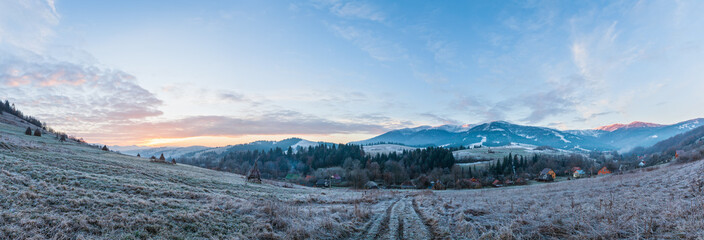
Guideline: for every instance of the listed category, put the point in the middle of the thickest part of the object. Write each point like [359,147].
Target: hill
[622,137]
[52,189]
[639,134]
[68,190]
[490,134]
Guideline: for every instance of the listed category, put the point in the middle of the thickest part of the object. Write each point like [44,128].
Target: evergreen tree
[28,132]
[105,148]
[37,132]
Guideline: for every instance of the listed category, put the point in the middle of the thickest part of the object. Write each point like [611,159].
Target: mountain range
[619,137]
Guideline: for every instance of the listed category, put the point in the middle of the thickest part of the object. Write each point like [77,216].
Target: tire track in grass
[413,227]
[379,225]
[395,223]
[430,225]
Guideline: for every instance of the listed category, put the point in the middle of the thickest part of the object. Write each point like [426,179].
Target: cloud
[369,42]
[231,96]
[352,10]
[74,97]
[444,52]
[27,24]
[593,115]
[545,104]
[273,123]
[442,119]
[382,120]
[481,108]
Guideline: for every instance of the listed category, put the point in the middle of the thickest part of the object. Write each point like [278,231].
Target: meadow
[65,190]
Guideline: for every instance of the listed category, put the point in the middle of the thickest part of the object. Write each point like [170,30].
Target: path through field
[397,219]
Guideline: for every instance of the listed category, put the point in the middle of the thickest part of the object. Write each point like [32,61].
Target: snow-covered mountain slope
[622,137]
[497,133]
[636,124]
[644,134]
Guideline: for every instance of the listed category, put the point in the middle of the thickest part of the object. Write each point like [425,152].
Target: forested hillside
[685,147]
[346,160]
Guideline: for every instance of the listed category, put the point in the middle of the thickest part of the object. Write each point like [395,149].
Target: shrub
[37,133]
[28,132]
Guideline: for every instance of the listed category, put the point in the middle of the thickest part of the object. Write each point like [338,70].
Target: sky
[215,73]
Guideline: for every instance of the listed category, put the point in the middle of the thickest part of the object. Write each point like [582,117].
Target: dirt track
[396,219]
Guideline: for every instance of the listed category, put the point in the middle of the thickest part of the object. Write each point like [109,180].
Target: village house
[497,183]
[579,173]
[604,171]
[322,183]
[547,175]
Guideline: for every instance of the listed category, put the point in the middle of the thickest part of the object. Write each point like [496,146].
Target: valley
[53,189]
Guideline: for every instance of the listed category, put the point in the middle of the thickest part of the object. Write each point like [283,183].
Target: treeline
[348,165]
[8,107]
[529,166]
[346,161]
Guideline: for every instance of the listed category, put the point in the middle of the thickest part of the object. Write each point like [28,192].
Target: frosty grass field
[59,190]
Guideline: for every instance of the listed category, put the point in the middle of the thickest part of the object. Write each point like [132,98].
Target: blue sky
[226,72]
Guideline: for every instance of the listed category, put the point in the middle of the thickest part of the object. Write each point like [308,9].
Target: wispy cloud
[377,47]
[441,119]
[352,9]
[481,108]
[27,24]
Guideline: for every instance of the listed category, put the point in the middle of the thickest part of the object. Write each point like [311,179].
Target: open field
[661,202]
[386,149]
[69,191]
[500,152]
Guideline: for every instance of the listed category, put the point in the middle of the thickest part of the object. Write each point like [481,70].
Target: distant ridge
[636,124]
[621,137]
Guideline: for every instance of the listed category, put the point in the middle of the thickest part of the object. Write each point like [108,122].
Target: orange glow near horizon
[219,141]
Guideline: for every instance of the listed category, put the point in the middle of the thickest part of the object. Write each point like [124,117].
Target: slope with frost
[65,190]
[50,189]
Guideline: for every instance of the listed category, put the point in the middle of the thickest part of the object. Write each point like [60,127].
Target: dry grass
[659,203]
[67,191]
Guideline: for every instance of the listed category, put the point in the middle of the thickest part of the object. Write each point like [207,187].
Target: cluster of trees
[8,107]
[519,165]
[347,161]
[417,168]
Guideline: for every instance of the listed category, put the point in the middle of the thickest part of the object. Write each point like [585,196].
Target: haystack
[254,176]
